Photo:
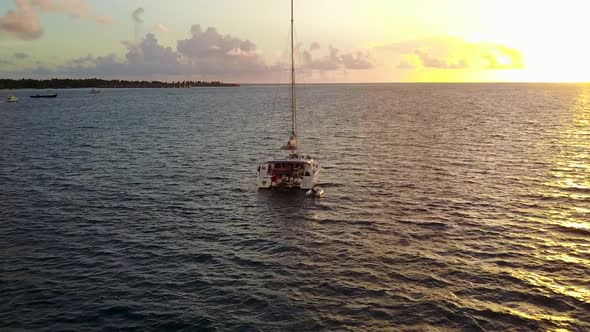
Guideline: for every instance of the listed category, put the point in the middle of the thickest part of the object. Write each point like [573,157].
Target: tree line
[57,83]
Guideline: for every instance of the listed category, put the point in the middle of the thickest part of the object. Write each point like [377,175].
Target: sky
[337,41]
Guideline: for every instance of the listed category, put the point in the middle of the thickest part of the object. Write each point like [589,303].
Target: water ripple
[448,207]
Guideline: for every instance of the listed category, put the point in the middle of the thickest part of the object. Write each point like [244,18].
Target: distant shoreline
[15,84]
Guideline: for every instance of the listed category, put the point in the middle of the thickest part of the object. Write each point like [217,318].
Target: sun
[551,38]
[504,60]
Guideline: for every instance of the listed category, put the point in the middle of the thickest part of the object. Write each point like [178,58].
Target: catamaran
[296,170]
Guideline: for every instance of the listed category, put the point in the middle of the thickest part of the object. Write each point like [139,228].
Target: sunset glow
[369,41]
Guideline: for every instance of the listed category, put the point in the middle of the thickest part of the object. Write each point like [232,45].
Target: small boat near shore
[47,95]
[95,91]
[11,99]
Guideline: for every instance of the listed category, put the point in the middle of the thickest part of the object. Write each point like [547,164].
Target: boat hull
[298,173]
[45,96]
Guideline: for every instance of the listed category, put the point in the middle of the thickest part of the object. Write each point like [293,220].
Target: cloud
[149,57]
[23,23]
[162,28]
[21,55]
[45,5]
[335,61]
[450,52]
[328,62]
[405,64]
[429,61]
[358,61]
[210,52]
[137,15]
[75,8]
[204,54]
[105,20]
[504,58]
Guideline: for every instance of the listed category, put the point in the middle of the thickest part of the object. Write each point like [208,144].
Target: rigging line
[300,88]
[279,103]
[305,92]
[293,105]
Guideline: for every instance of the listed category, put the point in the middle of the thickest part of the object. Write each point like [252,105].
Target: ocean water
[447,207]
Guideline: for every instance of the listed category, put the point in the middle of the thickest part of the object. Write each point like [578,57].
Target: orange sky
[339,41]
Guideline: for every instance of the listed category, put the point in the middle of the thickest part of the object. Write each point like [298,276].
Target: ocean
[446,207]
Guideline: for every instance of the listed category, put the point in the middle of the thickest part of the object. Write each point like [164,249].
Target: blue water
[447,206]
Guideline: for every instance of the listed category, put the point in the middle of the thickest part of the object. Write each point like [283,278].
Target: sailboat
[296,170]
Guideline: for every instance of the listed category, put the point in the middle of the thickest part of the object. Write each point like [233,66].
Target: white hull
[289,173]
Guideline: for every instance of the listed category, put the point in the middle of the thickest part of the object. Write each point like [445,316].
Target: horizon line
[310,83]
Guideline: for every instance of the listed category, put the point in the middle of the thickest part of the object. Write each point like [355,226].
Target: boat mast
[292,144]
[293,108]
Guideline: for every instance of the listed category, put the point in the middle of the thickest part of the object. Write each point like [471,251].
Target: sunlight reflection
[522,311]
[579,293]
[571,168]
[566,258]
